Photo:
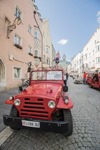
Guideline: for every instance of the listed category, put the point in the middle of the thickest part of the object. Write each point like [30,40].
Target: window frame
[30,50]
[18,12]
[30,29]
[36,34]
[18,39]
[36,53]
[19,74]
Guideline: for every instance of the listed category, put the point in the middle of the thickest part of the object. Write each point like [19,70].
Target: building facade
[47,44]
[89,58]
[64,63]
[20,40]
[53,55]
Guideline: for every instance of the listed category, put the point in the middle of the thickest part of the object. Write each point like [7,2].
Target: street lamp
[10,28]
[40,58]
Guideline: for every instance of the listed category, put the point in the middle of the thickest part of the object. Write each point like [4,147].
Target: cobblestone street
[4,109]
[86,126]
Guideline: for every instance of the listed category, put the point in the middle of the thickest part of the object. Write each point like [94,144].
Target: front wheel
[90,86]
[14,113]
[99,88]
[68,117]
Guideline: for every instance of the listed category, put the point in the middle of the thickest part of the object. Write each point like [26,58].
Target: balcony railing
[18,46]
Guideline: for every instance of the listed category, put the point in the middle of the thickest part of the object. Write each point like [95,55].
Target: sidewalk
[4,109]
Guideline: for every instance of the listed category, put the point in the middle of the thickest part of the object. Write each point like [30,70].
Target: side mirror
[20,89]
[65,88]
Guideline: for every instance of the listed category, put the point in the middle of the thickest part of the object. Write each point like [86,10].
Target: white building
[89,58]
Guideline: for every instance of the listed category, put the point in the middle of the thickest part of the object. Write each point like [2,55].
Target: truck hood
[44,89]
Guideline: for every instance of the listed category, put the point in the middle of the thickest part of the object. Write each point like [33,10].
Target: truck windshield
[47,75]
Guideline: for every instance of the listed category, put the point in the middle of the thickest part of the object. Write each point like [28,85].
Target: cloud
[98,19]
[98,13]
[63,41]
[98,16]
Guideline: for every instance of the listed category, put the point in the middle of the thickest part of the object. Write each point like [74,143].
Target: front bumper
[51,126]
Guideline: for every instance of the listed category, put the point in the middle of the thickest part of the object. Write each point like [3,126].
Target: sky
[71,22]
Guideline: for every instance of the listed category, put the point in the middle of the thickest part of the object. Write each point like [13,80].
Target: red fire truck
[95,81]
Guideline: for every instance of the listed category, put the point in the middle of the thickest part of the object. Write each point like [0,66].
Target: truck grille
[34,108]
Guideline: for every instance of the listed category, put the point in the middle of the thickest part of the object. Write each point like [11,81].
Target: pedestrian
[65,79]
[67,76]
[84,77]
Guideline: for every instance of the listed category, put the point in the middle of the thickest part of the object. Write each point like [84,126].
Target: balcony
[37,57]
[30,54]
[18,46]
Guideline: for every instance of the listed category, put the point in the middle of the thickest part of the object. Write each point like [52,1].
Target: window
[49,75]
[36,53]
[17,73]
[29,29]
[18,12]
[48,61]
[54,75]
[30,50]
[47,50]
[98,48]
[17,41]
[33,1]
[98,60]
[36,35]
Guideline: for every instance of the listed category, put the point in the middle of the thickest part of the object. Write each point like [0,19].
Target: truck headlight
[11,98]
[17,102]
[66,100]
[51,104]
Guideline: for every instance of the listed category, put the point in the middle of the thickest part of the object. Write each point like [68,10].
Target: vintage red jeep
[43,105]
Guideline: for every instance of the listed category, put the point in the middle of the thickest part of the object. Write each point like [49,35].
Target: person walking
[65,78]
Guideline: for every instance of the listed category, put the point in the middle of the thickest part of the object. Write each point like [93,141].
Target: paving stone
[86,126]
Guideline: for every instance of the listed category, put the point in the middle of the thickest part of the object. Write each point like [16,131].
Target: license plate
[30,124]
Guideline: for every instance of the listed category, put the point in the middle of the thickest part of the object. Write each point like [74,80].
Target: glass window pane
[17,72]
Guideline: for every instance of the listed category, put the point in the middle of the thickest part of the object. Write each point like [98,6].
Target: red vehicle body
[89,77]
[95,84]
[43,105]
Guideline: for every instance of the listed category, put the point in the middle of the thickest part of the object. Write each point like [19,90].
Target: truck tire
[99,88]
[13,113]
[68,117]
[90,86]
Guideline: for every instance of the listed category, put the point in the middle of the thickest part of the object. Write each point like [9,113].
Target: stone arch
[2,71]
